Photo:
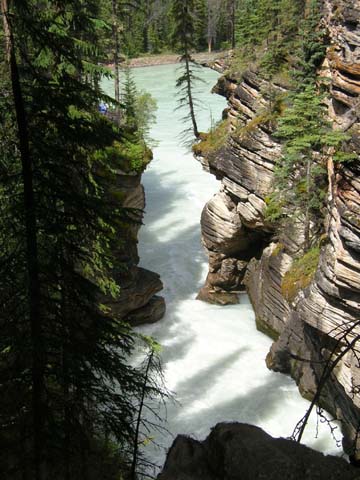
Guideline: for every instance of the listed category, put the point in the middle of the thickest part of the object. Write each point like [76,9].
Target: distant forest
[146,26]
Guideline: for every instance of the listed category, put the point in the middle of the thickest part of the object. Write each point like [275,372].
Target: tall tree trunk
[139,416]
[233,18]
[307,207]
[209,29]
[116,58]
[32,257]
[190,98]
[65,334]
[146,37]
[67,427]
[331,177]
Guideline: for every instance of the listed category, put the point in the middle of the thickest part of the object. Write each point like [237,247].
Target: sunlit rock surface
[310,330]
[235,451]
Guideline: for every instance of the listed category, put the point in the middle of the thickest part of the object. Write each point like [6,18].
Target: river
[213,357]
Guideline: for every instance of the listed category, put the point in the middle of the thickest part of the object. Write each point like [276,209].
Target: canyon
[321,323]
[245,253]
[213,357]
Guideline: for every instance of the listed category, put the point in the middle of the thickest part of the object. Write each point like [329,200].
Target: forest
[71,399]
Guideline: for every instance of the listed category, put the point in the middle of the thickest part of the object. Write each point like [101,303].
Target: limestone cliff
[138,301]
[309,329]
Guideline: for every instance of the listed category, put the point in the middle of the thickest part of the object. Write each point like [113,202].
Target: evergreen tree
[301,176]
[138,108]
[312,47]
[301,180]
[267,32]
[200,16]
[183,36]
[155,43]
[227,23]
[143,26]
[116,56]
[213,17]
[129,100]
[147,26]
[67,388]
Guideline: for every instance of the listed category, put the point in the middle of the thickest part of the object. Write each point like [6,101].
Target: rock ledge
[236,451]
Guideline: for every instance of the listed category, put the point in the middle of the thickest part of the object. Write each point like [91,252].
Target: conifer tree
[301,180]
[183,36]
[200,16]
[312,47]
[66,383]
[232,21]
[267,32]
[213,18]
[301,176]
[129,100]
[116,56]
[138,108]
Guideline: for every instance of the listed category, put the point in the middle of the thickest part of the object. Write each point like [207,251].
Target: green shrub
[274,209]
[128,155]
[279,248]
[213,140]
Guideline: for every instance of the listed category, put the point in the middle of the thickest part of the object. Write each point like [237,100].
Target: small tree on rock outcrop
[183,37]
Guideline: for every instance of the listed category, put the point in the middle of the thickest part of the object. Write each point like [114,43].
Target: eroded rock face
[138,301]
[310,329]
[233,229]
[235,451]
[331,304]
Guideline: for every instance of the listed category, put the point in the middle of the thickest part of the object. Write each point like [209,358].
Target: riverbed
[213,357]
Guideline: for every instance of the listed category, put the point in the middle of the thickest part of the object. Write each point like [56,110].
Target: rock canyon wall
[321,321]
[138,301]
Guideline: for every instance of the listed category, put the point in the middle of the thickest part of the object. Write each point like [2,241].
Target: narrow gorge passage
[214,358]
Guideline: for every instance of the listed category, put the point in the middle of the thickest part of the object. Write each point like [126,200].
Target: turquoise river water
[213,357]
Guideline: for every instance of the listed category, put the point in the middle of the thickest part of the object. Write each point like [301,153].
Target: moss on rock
[300,274]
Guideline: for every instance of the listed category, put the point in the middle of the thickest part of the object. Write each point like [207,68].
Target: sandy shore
[164,59]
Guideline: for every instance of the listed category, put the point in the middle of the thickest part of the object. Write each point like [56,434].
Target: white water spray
[214,358]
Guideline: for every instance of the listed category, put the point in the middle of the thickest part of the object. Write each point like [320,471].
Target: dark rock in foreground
[236,451]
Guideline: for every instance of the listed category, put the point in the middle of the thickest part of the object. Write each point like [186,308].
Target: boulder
[236,451]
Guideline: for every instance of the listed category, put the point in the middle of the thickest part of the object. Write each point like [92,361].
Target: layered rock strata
[235,451]
[138,301]
[321,324]
[233,229]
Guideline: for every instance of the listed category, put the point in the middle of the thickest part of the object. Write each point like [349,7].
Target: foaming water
[213,357]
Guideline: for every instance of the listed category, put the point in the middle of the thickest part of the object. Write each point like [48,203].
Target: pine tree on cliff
[301,179]
[183,37]
[312,47]
[129,99]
